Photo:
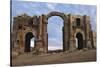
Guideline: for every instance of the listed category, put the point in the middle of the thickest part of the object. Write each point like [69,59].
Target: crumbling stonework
[75,27]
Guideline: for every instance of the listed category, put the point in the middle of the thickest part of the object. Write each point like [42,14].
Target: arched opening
[55,33]
[28,38]
[79,41]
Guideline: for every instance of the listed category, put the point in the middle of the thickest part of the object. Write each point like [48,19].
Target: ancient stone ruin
[75,26]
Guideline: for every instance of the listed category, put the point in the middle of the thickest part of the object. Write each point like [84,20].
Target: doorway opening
[79,41]
[55,33]
[28,39]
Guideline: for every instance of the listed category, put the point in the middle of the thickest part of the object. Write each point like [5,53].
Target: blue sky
[54,27]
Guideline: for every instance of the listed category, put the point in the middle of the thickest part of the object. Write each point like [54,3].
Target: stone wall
[37,25]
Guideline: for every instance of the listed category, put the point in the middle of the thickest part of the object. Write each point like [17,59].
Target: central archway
[79,41]
[28,38]
[64,28]
[55,33]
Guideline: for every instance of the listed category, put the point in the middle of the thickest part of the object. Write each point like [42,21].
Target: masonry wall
[37,25]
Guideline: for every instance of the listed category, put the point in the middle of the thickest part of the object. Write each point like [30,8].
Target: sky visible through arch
[38,8]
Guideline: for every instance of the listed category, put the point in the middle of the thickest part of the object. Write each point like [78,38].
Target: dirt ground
[55,58]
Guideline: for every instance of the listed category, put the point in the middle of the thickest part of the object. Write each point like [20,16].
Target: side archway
[79,37]
[28,38]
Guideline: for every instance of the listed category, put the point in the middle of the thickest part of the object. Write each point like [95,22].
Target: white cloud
[51,6]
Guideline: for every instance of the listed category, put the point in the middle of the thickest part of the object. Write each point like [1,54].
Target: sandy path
[76,56]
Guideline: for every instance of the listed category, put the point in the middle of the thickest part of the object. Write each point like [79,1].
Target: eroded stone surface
[37,26]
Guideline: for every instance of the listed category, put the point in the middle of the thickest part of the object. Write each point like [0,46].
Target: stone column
[19,41]
[39,42]
[92,41]
[45,34]
[21,45]
[68,31]
[40,28]
[85,31]
[89,33]
[65,35]
[71,41]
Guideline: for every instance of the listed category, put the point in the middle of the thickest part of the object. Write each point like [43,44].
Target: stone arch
[53,20]
[33,33]
[62,15]
[79,31]
[28,37]
[27,32]
[65,28]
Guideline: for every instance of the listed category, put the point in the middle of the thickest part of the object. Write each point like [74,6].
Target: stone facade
[75,27]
